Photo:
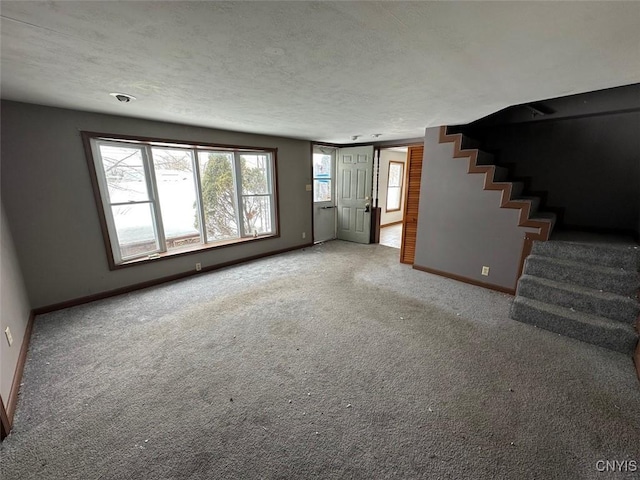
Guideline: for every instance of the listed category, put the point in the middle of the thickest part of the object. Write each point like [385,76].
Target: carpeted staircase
[587,291]
[497,179]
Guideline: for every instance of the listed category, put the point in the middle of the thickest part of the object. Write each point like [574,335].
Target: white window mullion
[200,202]
[237,177]
[154,198]
[272,188]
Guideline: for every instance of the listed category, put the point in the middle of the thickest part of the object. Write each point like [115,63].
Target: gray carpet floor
[331,362]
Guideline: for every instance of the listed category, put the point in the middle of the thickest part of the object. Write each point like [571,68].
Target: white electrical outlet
[308,187]
[7,332]
[304,234]
[485,271]
[198,267]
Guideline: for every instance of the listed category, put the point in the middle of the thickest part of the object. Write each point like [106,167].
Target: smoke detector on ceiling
[123,97]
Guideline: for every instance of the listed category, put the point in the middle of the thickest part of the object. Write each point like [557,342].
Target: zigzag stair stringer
[506,201]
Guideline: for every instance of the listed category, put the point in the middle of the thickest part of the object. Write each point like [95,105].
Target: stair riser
[629,259]
[516,189]
[535,203]
[500,174]
[611,339]
[620,282]
[469,143]
[622,310]
[546,217]
[485,158]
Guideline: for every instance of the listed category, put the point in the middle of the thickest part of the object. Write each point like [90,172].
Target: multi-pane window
[255,193]
[161,198]
[394,186]
[322,177]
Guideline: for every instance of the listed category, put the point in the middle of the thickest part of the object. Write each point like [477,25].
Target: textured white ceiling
[315,70]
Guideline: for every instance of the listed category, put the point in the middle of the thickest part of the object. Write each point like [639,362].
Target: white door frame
[354,193]
[324,213]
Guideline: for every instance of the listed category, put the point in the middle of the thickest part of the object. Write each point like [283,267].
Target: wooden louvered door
[411,201]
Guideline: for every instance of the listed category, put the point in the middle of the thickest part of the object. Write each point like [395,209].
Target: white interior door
[353,195]
[324,207]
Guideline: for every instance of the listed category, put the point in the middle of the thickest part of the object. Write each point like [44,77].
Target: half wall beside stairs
[469,216]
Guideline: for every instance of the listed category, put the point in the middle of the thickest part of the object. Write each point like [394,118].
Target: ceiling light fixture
[123,97]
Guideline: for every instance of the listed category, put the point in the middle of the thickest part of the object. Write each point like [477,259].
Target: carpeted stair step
[545,217]
[534,201]
[469,143]
[621,256]
[608,279]
[593,329]
[516,189]
[582,299]
[500,174]
[485,158]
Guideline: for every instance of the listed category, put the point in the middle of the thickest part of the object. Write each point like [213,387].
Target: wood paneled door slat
[411,203]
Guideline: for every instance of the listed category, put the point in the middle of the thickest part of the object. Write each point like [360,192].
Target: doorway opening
[367,194]
[342,193]
[392,177]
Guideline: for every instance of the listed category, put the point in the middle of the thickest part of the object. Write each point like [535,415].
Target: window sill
[188,250]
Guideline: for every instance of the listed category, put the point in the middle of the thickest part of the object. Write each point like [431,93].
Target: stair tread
[602,246]
[485,158]
[567,294]
[534,203]
[507,182]
[499,174]
[625,256]
[579,317]
[604,295]
[542,215]
[532,200]
[587,266]
[469,143]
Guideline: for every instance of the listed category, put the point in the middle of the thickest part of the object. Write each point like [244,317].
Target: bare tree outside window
[219,197]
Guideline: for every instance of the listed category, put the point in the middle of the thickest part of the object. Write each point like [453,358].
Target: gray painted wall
[461,227]
[14,306]
[590,165]
[49,202]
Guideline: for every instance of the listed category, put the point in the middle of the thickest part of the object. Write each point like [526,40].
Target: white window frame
[330,178]
[399,187]
[240,195]
[116,259]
